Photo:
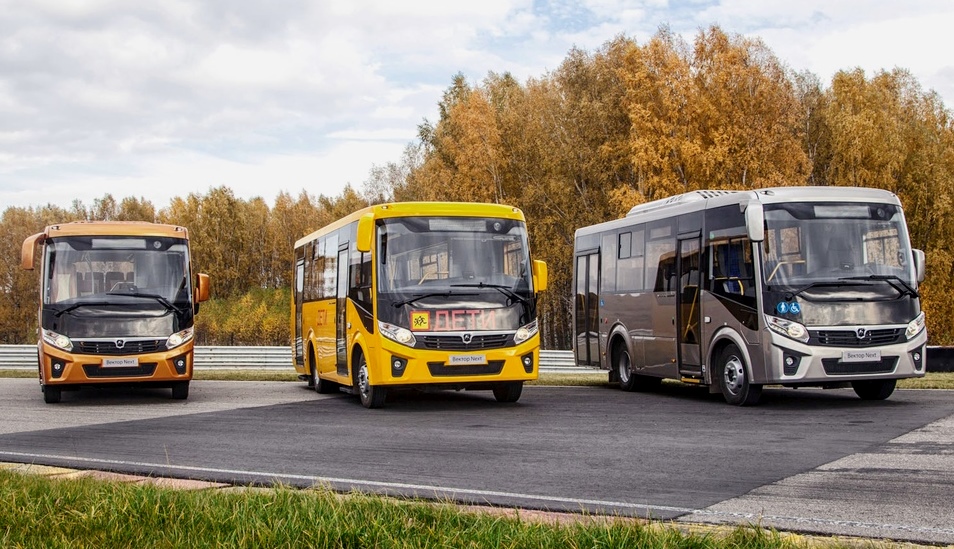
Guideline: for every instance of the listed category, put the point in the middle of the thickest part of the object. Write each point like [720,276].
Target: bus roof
[702,199]
[115,228]
[427,209]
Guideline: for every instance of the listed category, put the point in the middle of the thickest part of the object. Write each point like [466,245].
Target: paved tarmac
[810,461]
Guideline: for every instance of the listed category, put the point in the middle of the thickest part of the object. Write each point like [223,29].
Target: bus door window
[299,288]
[689,312]
[341,331]
[587,308]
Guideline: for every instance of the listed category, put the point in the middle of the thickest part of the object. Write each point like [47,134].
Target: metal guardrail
[23,357]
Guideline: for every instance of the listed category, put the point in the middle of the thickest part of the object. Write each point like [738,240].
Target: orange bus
[424,295]
[117,305]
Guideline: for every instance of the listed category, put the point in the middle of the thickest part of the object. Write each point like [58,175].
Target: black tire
[734,378]
[180,390]
[321,386]
[623,367]
[325,387]
[51,395]
[628,381]
[508,392]
[312,375]
[874,389]
[372,396]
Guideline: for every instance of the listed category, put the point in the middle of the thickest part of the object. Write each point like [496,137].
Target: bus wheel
[627,381]
[312,369]
[371,396]
[736,386]
[180,390]
[324,387]
[874,389]
[508,392]
[51,395]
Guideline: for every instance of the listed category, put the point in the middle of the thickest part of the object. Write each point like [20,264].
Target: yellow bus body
[318,331]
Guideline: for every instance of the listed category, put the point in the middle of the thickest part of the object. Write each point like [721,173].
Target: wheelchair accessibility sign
[785,307]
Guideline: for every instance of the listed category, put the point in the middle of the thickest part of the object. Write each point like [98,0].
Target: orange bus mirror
[29,249]
[365,233]
[201,287]
[539,275]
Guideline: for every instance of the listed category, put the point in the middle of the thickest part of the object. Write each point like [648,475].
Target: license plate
[120,363]
[861,356]
[463,360]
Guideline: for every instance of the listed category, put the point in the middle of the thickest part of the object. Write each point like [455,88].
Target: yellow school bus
[418,294]
[117,305]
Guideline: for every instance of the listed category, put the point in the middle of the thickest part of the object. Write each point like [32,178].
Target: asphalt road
[811,461]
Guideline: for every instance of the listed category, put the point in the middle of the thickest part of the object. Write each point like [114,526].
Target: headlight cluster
[525,332]
[915,326]
[788,328]
[57,340]
[397,333]
[179,338]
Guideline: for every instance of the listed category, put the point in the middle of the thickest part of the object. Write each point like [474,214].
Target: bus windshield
[90,279]
[473,271]
[834,245]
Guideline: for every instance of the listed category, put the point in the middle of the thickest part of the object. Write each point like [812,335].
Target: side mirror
[539,275]
[202,289]
[29,250]
[919,266]
[755,221]
[365,236]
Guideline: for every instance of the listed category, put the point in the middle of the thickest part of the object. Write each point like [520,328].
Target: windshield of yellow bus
[461,273]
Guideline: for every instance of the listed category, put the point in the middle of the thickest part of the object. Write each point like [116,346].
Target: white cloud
[162,99]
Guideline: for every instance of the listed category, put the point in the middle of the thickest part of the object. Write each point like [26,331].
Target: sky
[157,100]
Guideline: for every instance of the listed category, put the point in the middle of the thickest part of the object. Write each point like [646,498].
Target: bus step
[693,380]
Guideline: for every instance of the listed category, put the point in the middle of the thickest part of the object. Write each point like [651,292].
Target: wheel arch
[617,338]
[720,340]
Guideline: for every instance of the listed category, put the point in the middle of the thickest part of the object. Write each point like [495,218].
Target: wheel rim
[363,385]
[733,376]
[623,367]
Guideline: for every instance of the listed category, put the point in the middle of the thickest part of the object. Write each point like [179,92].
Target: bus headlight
[57,340]
[915,326]
[525,332]
[788,328]
[179,338]
[397,333]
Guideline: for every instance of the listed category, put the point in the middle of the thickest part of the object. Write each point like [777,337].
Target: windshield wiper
[835,283]
[165,302]
[505,290]
[75,306]
[894,281]
[424,296]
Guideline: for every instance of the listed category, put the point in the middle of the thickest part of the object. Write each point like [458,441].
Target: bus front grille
[456,342]
[130,347]
[849,338]
[835,367]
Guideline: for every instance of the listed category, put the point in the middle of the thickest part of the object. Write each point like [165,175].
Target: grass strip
[36,511]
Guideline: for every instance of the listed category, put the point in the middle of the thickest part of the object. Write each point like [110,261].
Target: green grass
[36,511]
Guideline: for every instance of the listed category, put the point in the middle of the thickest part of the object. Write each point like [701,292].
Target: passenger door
[586,312]
[688,312]
[341,308]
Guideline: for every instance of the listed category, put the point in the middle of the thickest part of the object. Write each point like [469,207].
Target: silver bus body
[793,286]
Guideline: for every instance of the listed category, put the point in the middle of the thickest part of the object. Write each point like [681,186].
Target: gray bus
[733,290]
